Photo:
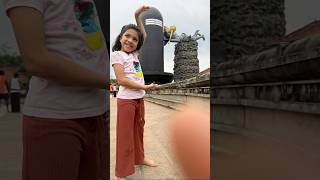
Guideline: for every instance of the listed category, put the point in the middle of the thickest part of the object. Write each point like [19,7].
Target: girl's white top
[132,70]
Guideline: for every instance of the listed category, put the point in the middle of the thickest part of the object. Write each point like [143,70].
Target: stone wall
[192,90]
[275,92]
[244,27]
[282,78]
[260,89]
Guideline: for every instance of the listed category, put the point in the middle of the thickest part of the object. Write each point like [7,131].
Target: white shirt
[15,85]
[132,70]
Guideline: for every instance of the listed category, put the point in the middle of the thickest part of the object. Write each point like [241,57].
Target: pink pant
[130,123]
[76,149]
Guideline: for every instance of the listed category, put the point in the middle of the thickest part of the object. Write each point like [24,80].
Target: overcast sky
[187,15]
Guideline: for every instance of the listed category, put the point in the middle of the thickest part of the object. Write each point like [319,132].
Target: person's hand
[146,87]
[141,9]
[151,86]
[155,86]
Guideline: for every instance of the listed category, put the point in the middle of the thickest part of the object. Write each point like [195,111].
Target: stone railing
[196,89]
[283,77]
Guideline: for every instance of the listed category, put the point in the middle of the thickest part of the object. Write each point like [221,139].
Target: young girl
[130,104]
[65,125]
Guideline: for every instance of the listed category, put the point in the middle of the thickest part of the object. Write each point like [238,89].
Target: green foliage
[10,60]
[113,81]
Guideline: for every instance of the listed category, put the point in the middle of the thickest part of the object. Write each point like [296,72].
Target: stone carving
[183,37]
[186,63]
[197,36]
[245,27]
[170,35]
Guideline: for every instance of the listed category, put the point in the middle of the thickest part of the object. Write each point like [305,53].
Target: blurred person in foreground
[65,115]
[190,135]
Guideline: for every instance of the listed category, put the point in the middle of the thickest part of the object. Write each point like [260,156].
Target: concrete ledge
[226,128]
[298,60]
[286,126]
[202,80]
[295,96]
[181,92]
[312,108]
[177,99]
[173,95]
[165,103]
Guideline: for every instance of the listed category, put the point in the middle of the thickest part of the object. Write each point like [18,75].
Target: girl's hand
[151,86]
[155,86]
[141,9]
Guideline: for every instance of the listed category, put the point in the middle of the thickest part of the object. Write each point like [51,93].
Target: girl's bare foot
[149,162]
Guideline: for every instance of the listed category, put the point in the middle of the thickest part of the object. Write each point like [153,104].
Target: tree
[8,58]
[113,81]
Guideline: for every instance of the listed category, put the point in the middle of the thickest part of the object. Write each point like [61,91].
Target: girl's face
[129,41]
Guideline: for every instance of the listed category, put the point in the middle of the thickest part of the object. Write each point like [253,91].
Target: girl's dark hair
[117,44]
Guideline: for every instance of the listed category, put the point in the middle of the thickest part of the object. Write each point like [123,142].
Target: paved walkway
[157,144]
[10,146]
[262,157]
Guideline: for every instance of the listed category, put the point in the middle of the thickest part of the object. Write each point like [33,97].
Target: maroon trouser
[73,149]
[130,123]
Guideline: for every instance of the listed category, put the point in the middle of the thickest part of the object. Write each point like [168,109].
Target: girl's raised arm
[138,19]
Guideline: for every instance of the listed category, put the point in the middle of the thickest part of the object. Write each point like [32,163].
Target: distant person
[130,104]
[114,90]
[4,89]
[15,92]
[65,114]
[110,87]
